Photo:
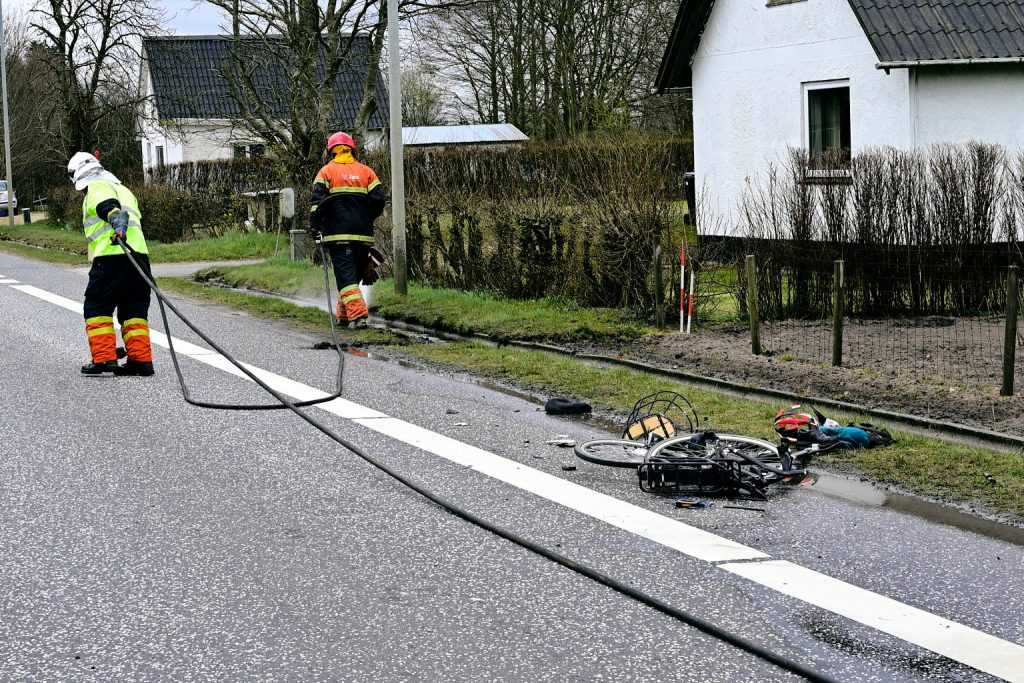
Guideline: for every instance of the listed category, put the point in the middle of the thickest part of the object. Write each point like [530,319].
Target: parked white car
[3,199]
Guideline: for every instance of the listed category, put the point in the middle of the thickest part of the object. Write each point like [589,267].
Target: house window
[257,151]
[828,123]
[159,156]
[238,151]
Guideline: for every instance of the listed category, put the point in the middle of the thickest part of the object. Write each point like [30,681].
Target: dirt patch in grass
[944,372]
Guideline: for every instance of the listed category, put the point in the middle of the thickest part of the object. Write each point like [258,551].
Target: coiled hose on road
[547,553]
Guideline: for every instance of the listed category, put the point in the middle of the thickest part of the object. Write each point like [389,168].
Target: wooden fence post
[837,313]
[752,312]
[659,294]
[1010,340]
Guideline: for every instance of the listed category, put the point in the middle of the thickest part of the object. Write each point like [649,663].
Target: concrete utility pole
[7,121]
[397,153]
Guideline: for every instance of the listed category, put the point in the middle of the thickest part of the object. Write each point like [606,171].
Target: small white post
[689,317]
[682,287]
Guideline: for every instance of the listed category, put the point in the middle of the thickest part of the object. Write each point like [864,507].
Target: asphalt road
[141,538]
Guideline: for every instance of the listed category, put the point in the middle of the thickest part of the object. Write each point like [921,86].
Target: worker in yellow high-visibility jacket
[111,209]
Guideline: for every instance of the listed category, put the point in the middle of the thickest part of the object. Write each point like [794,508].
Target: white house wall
[748,100]
[961,104]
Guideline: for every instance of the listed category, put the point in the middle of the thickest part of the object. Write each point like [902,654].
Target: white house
[823,75]
[189,114]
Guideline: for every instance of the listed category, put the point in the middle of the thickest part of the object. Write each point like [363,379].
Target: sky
[184,17]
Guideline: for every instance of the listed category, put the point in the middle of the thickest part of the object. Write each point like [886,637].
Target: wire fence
[958,337]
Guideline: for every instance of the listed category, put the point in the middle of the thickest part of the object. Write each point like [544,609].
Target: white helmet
[84,168]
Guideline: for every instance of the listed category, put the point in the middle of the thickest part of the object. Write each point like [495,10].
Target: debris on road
[566,406]
[740,507]
[568,468]
[461,424]
[561,442]
[692,504]
[451,411]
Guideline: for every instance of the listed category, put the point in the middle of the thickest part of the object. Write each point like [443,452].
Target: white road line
[6,281]
[963,644]
[948,638]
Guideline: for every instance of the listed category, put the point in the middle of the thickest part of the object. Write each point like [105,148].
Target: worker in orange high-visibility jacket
[347,198]
[110,209]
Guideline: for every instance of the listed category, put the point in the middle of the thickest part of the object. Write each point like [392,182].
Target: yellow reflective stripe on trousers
[135,321]
[348,238]
[100,319]
[100,330]
[133,333]
[352,297]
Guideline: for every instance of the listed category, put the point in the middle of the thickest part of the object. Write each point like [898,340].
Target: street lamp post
[7,121]
[397,156]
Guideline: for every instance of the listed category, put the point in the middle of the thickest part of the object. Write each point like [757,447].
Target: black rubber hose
[187,395]
[605,580]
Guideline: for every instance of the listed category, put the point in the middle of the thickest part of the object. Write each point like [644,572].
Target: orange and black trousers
[115,286]
[348,259]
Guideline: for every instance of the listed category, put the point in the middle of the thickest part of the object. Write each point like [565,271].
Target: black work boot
[134,368]
[100,368]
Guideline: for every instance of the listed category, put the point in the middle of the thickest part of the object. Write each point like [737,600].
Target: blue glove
[119,221]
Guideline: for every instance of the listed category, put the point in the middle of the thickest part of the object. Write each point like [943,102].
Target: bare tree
[314,41]
[552,67]
[93,49]
[422,99]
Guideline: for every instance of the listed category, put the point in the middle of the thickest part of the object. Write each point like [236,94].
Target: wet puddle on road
[863,493]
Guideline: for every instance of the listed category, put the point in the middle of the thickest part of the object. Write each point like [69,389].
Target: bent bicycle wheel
[613,452]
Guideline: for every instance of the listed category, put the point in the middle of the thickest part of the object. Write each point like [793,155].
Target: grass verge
[270,308]
[449,309]
[56,245]
[926,466]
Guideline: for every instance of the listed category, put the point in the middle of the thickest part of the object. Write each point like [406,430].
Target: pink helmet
[340,138]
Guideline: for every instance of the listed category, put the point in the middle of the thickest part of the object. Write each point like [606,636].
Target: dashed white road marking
[7,281]
[987,653]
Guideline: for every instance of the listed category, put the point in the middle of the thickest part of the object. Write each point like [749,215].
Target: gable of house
[188,79]
[902,33]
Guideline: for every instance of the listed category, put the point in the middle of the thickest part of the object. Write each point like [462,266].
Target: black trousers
[346,258]
[115,284]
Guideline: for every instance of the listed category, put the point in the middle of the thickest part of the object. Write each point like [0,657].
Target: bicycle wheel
[727,446]
[613,452]
[682,445]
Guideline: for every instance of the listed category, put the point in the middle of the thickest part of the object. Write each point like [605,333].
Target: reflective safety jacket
[101,198]
[347,198]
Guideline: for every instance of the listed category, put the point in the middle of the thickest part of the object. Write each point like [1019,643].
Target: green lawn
[65,246]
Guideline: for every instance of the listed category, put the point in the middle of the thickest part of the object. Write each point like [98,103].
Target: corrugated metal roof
[478,134]
[913,31]
[188,79]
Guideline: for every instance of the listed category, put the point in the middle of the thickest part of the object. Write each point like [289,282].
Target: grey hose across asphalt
[707,627]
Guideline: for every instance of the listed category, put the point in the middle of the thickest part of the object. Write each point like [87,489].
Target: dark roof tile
[188,76]
[940,30]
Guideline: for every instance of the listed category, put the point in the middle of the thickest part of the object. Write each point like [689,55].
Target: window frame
[806,88]
[160,162]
